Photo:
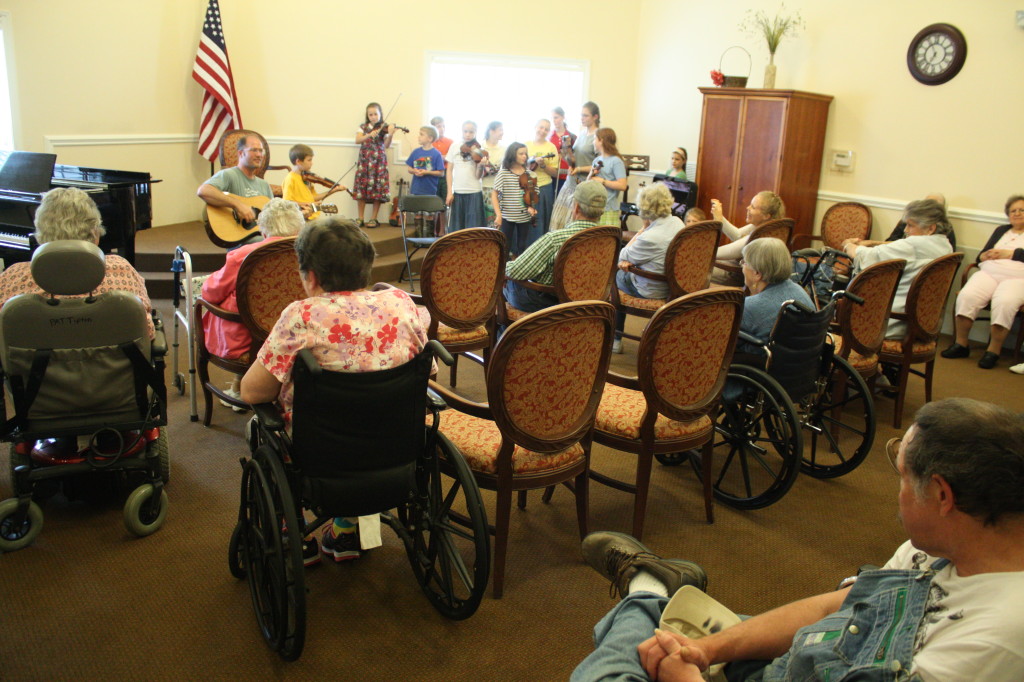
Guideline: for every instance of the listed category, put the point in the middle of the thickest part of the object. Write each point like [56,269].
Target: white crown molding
[990,217]
[55,141]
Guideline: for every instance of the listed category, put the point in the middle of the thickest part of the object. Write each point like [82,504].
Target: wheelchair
[767,415]
[359,445]
[88,393]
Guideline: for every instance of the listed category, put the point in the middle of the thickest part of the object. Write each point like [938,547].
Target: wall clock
[937,54]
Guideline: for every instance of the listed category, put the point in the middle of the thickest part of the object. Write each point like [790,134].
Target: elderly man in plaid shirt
[537,263]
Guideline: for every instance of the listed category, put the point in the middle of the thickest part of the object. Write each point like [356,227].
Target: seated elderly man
[70,213]
[224,338]
[348,328]
[927,230]
[646,249]
[763,207]
[946,606]
[537,262]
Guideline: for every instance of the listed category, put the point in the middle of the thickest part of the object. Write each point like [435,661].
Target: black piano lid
[27,172]
[77,176]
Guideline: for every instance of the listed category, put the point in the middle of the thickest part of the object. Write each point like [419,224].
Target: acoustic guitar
[226,229]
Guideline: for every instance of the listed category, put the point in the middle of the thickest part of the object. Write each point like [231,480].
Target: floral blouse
[347,331]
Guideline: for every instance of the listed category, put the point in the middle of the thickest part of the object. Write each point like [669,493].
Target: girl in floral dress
[373,183]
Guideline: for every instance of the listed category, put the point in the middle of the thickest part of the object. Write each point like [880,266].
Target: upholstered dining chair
[925,309]
[536,427]
[669,406]
[584,270]
[229,152]
[779,228]
[861,327]
[842,221]
[268,280]
[460,279]
[689,260]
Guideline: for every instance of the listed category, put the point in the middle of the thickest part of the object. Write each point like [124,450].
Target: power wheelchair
[88,395]
[359,445]
[767,415]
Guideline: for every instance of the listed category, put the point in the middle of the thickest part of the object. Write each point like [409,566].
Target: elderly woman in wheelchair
[784,384]
[348,367]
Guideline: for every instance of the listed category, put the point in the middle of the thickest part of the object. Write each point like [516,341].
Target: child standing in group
[300,190]
[465,194]
[489,168]
[373,183]
[425,165]
[612,174]
[678,169]
[510,209]
[544,155]
[442,144]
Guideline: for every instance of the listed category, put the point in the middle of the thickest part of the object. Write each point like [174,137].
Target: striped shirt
[537,263]
[510,196]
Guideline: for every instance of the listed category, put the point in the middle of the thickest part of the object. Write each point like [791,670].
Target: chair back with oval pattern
[462,275]
[845,220]
[685,352]
[928,295]
[863,326]
[268,280]
[546,374]
[690,258]
[585,265]
[779,228]
[229,149]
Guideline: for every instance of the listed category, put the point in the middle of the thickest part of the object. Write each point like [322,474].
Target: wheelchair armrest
[270,417]
[416,298]
[158,347]
[441,352]
[456,401]
[217,311]
[799,239]
[434,401]
[546,288]
[623,381]
[646,274]
[750,338]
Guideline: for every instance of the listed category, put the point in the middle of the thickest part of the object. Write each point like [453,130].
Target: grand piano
[123,197]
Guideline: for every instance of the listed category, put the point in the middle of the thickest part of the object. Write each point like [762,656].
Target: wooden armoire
[754,140]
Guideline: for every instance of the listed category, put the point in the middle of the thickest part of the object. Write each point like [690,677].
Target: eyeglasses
[892,451]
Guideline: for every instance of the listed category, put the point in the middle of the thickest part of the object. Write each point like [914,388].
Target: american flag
[212,70]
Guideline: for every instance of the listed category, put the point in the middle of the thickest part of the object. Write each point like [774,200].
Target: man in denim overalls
[949,605]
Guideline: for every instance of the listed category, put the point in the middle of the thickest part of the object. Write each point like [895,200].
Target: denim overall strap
[870,637]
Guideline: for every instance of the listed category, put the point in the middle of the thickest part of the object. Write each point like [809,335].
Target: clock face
[937,54]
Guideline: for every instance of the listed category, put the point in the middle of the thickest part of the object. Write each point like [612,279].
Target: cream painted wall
[123,68]
[962,138]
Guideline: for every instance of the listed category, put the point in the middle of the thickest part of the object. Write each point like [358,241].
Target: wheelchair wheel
[841,424]
[757,441]
[15,535]
[142,518]
[179,383]
[271,554]
[164,455]
[450,548]
[236,562]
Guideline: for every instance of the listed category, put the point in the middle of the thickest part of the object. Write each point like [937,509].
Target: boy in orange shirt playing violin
[298,185]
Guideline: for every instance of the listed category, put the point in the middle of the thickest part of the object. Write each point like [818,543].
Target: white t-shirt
[464,179]
[973,628]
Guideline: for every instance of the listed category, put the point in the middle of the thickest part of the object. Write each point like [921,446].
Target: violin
[473,150]
[382,125]
[534,161]
[566,150]
[595,169]
[313,178]
[528,183]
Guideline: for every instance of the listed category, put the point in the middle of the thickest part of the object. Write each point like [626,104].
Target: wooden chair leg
[454,369]
[928,367]
[521,503]
[707,452]
[502,515]
[582,491]
[644,464]
[901,395]
[548,492]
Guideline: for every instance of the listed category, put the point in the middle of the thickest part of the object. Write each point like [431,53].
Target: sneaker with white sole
[237,396]
[343,547]
[1018,369]
[617,346]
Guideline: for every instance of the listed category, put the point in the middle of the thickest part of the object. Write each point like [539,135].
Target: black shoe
[619,557]
[988,360]
[956,351]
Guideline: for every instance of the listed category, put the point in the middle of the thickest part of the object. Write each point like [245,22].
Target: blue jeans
[515,236]
[616,637]
[528,300]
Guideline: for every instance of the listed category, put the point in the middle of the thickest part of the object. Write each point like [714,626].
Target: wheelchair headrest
[68,267]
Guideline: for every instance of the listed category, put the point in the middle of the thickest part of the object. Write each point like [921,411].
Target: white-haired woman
[224,338]
[647,250]
[767,266]
[70,213]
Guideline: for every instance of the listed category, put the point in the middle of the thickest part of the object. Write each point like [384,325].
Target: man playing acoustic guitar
[240,181]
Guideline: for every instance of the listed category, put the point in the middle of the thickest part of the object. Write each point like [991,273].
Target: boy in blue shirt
[426,165]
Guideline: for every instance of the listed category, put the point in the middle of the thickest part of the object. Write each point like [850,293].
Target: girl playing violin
[372,183]
[465,195]
[507,198]
[558,135]
[489,168]
[542,158]
[612,173]
[298,187]
[581,156]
